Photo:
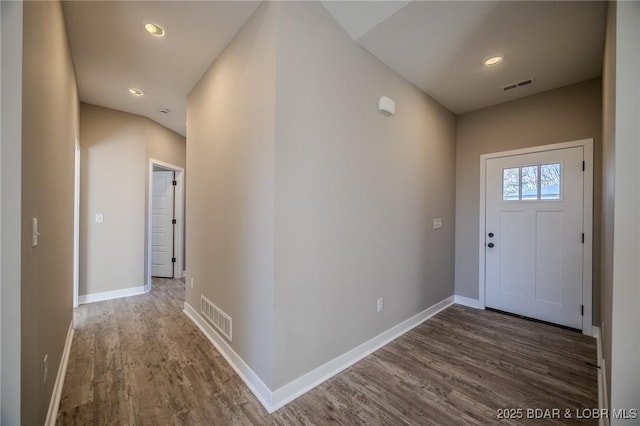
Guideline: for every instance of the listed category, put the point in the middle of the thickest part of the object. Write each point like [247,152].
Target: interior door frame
[587,212]
[76,221]
[178,266]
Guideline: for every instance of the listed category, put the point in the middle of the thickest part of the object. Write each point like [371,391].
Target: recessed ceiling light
[154,29]
[136,92]
[494,60]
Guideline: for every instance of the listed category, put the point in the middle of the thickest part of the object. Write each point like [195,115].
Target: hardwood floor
[140,361]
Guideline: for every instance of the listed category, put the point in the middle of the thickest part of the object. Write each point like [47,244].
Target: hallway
[140,360]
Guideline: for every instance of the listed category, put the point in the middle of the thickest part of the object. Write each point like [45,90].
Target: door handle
[491,245]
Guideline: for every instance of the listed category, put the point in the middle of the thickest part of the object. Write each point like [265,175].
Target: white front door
[161,224]
[534,235]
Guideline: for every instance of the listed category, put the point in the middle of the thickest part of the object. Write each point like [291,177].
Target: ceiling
[439,46]
[112,52]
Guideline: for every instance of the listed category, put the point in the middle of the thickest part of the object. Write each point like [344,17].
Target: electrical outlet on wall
[45,368]
[380,305]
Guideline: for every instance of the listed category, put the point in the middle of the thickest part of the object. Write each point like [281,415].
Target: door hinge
[583,238]
[175,221]
[582,310]
[583,165]
[175,182]
[173,260]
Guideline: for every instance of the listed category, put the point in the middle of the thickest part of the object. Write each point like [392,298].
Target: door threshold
[511,314]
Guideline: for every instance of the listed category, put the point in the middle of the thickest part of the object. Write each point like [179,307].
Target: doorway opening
[165,221]
[76,224]
[536,233]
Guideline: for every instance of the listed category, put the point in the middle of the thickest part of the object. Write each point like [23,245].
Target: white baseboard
[113,294]
[603,404]
[256,385]
[273,400]
[467,301]
[310,380]
[54,403]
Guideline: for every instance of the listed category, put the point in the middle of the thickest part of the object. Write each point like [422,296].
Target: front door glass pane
[530,183]
[511,184]
[550,181]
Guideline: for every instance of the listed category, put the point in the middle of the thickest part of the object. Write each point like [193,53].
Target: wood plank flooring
[140,361]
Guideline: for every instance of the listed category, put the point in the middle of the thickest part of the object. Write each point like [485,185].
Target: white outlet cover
[99,218]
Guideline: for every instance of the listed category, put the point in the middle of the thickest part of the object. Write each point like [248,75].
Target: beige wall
[230,129]
[112,183]
[566,114]
[115,150]
[356,194]
[300,221]
[10,193]
[164,145]
[625,298]
[2,59]
[608,188]
[49,126]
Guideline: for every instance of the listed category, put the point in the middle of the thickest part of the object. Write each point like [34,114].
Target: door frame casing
[76,220]
[587,223]
[178,266]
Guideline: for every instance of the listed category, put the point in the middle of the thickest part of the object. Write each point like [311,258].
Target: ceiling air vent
[518,84]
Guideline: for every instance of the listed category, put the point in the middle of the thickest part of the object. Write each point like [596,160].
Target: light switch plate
[45,368]
[437,223]
[34,231]
[99,218]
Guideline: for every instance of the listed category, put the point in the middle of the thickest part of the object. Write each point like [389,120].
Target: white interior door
[534,240]
[161,224]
